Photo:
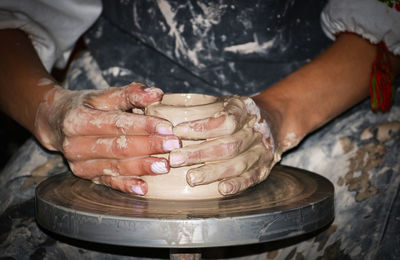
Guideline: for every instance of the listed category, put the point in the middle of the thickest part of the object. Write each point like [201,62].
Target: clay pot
[178,108]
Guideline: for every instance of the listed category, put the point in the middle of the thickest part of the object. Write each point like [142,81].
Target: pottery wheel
[290,202]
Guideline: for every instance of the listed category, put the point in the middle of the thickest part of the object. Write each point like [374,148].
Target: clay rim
[187,99]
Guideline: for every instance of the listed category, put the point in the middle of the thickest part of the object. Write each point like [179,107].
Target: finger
[214,150]
[130,185]
[120,147]
[206,128]
[212,172]
[87,121]
[128,167]
[124,98]
[244,181]
[229,121]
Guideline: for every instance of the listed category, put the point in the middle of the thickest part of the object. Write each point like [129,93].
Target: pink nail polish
[159,167]
[171,144]
[164,129]
[137,189]
[153,90]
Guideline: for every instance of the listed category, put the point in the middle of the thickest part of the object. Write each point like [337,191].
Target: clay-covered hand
[102,139]
[239,150]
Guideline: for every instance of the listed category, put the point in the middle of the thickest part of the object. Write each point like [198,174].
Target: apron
[222,48]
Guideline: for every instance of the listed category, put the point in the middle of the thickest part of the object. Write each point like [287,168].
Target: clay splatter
[366,157]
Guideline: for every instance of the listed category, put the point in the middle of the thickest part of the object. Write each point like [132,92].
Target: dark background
[12,136]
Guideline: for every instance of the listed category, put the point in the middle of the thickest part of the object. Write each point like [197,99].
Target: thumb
[124,98]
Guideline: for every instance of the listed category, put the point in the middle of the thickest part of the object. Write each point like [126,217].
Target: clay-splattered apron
[224,47]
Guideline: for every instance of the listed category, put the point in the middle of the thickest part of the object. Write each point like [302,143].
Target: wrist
[46,115]
[287,126]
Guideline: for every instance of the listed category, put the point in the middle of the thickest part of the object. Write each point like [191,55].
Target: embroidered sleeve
[372,19]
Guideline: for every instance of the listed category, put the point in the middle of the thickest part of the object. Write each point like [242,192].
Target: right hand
[239,151]
[100,140]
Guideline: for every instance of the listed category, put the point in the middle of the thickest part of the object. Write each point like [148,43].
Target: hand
[101,141]
[239,151]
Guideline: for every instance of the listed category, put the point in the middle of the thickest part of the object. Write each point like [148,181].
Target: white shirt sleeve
[52,25]
[371,19]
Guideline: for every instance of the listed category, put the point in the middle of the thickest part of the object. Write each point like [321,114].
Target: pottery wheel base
[290,202]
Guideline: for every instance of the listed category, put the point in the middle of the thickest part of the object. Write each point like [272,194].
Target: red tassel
[381,81]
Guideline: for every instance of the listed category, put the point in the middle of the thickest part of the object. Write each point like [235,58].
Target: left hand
[239,150]
[101,139]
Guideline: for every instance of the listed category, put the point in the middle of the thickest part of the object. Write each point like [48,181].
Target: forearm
[23,79]
[321,90]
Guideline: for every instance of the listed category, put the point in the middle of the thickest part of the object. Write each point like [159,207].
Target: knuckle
[67,150]
[263,174]
[226,173]
[69,123]
[153,143]
[198,156]
[119,146]
[116,167]
[232,124]
[74,168]
[231,148]
[124,121]
[113,170]
[242,165]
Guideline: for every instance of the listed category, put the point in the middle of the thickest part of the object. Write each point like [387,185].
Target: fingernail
[137,189]
[164,129]
[226,188]
[194,178]
[171,144]
[153,90]
[176,159]
[159,167]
